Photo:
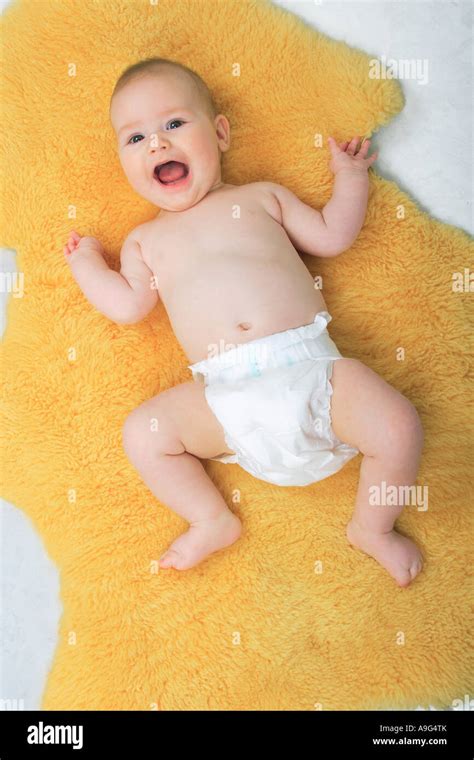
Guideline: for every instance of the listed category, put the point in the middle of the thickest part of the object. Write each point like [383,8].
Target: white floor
[427,150]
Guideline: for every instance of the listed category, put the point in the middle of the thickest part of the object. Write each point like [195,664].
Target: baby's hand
[76,242]
[346,156]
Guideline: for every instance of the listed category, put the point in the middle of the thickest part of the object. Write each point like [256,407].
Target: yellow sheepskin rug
[291,617]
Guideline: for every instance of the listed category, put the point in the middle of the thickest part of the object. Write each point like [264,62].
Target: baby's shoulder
[140,234]
[264,186]
[266,192]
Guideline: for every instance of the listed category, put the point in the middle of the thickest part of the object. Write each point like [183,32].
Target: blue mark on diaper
[289,361]
[255,370]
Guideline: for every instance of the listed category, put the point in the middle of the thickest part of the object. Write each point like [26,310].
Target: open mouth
[171,173]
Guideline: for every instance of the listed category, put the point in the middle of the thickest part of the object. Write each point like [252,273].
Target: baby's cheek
[133,171]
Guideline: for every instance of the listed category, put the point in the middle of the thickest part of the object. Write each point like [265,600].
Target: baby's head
[162,111]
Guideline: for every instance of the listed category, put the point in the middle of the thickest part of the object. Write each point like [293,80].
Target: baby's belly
[211,312]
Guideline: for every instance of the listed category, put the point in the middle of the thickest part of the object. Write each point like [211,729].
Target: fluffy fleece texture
[256,626]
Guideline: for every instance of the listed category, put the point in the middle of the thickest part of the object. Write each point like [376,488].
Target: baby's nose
[156,141]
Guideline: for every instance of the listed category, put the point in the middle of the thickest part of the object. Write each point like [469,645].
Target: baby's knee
[404,431]
[149,430]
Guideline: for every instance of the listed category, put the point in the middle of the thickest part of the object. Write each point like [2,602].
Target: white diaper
[272,397]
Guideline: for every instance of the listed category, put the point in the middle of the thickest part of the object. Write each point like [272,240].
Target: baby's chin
[184,206]
[175,199]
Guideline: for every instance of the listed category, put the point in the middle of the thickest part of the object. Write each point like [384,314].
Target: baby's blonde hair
[158,65]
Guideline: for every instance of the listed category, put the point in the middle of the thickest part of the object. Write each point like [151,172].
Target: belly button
[245,325]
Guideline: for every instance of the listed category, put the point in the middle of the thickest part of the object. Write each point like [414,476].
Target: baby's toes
[170,559]
[416,568]
[405,576]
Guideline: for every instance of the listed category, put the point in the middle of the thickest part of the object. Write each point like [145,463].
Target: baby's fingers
[353,145]
[333,146]
[74,239]
[72,243]
[372,158]
[364,149]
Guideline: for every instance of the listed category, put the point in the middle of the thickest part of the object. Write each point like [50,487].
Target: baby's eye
[133,137]
[175,121]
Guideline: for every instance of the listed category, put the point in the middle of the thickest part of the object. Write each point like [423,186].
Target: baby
[270,390]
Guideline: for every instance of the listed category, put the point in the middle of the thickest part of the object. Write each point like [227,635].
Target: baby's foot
[397,554]
[202,538]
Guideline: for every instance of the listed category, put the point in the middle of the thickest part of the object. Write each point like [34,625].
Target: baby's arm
[125,297]
[346,210]
[334,229]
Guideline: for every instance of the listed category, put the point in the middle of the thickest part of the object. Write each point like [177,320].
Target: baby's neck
[220,186]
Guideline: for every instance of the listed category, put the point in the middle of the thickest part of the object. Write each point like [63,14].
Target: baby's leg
[163,439]
[370,414]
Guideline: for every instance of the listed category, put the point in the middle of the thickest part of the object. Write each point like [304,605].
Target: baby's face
[160,118]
